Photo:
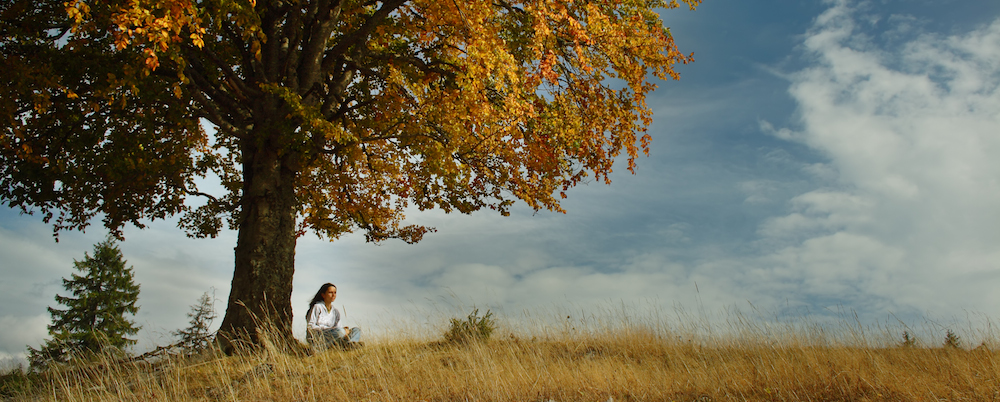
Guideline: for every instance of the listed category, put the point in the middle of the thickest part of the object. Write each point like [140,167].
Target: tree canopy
[328,116]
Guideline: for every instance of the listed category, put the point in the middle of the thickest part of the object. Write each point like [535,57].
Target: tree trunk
[260,298]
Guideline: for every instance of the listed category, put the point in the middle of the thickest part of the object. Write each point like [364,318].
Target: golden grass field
[623,361]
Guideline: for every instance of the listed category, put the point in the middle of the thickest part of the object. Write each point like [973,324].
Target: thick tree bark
[260,299]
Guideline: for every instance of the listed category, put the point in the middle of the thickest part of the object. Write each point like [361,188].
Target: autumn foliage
[329,115]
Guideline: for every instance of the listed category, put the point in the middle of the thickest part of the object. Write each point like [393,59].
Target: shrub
[473,328]
[951,340]
[908,340]
[15,383]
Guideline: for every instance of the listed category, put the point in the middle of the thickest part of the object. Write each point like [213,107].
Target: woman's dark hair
[319,297]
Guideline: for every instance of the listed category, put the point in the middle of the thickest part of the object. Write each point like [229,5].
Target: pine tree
[195,337]
[94,319]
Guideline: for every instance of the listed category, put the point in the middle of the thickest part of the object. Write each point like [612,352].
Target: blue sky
[817,157]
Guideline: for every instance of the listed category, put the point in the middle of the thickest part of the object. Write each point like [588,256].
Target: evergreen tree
[195,337]
[95,315]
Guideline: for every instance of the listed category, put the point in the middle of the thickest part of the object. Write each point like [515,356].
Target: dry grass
[630,362]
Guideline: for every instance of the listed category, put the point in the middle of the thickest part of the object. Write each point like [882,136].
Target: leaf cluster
[85,132]
[366,108]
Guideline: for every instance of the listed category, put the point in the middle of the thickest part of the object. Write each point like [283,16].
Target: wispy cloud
[911,133]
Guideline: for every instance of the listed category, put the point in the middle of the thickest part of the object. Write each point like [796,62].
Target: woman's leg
[355,335]
[320,339]
[337,335]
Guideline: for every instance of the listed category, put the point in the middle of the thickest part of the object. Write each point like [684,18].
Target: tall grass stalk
[617,353]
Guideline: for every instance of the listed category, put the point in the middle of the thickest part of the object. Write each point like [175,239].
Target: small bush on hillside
[473,328]
[908,340]
[15,383]
[952,341]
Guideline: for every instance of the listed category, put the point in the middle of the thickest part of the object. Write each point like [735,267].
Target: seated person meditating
[323,321]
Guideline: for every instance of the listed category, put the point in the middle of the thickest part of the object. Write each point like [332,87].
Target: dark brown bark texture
[260,298]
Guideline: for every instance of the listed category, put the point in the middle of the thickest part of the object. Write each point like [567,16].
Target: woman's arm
[313,321]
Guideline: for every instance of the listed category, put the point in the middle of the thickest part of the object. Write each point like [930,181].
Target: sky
[819,158]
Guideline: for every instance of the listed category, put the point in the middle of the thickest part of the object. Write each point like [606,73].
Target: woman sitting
[323,322]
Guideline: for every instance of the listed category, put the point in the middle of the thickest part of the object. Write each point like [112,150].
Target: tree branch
[361,34]
[216,96]
[320,29]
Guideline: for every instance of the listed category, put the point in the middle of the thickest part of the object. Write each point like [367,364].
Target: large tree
[328,115]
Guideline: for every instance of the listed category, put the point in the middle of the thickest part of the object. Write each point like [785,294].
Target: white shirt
[320,318]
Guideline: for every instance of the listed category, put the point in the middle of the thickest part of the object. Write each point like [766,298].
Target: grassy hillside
[621,362]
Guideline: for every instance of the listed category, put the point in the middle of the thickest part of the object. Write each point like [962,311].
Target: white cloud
[912,136]
[19,333]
